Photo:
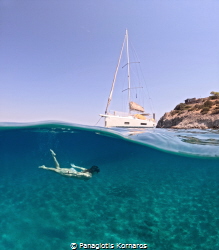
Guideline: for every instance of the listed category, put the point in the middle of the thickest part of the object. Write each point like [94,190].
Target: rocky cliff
[202,113]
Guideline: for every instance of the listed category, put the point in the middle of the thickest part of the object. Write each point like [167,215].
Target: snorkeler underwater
[84,174]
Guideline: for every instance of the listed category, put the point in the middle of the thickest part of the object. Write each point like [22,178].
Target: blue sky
[57,58]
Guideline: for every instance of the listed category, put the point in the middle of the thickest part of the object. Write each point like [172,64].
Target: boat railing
[118,113]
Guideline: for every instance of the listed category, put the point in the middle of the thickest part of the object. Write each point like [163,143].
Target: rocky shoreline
[203,113]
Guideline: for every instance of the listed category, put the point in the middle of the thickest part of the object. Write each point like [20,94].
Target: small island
[201,113]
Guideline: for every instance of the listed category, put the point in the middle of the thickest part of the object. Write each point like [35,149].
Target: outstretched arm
[78,167]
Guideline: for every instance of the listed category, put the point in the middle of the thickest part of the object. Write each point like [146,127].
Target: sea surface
[155,186]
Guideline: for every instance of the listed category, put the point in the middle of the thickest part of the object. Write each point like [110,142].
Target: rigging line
[98,121]
[147,90]
[133,88]
[138,80]
[139,77]
[134,60]
[129,63]
[150,100]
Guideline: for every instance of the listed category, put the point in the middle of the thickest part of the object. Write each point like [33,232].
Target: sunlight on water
[147,191]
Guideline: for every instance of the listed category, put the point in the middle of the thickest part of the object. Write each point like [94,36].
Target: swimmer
[83,174]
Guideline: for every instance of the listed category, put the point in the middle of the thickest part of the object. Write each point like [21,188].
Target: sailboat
[136,117]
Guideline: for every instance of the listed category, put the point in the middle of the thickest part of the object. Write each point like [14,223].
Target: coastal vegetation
[193,113]
[215,94]
[208,105]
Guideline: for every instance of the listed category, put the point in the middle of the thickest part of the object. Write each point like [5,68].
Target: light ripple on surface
[192,142]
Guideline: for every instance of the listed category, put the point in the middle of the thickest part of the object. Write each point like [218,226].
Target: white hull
[127,122]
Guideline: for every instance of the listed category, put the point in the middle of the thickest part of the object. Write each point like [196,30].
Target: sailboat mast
[129,80]
[114,79]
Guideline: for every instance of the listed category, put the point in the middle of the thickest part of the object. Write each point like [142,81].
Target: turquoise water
[157,187]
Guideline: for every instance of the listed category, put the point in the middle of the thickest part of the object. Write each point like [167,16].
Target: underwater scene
[155,187]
